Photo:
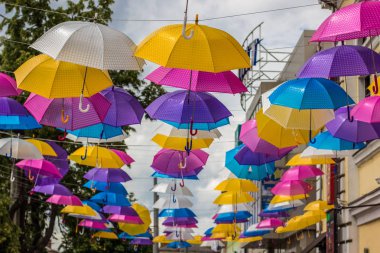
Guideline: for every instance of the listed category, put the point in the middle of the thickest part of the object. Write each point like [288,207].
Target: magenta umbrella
[125,218]
[8,86]
[301,172]
[367,110]
[64,112]
[93,224]
[64,200]
[291,188]
[127,160]
[224,82]
[270,223]
[40,167]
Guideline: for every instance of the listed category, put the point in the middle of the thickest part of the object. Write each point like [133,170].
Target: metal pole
[155,218]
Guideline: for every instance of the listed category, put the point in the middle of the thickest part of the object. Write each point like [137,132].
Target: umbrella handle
[175,187]
[375,88]
[174,199]
[84,157]
[349,117]
[311,139]
[12,176]
[81,232]
[64,118]
[62,137]
[189,146]
[177,234]
[30,176]
[182,164]
[182,183]
[192,131]
[81,105]
[184,24]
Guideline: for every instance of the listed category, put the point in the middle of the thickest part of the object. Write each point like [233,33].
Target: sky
[280,29]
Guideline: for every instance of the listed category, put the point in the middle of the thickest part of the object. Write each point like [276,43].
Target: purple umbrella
[125,109]
[8,86]
[181,174]
[51,189]
[123,210]
[273,214]
[173,221]
[107,175]
[60,161]
[355,131]
[10,107]
[125,218]
[246,157]
[64,112]
[141,241]
[341,61]
[184,107]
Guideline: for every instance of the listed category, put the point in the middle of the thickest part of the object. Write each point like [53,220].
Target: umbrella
[178,245]
[107,175]
[180,236]
[125,109]
[170,47]
[19,149]
[84,210]
[171,188]
[93,224]
[122,210]
[60,161]
[201,134]
[314,153]
[325,140]
[125,218]
[179,143]
[90,44]
[110,198]
[353,21]
[182,222]
[233,198]
[279,136]
[64,200]
[176,176]
[177,213]
[340,61]
[246,157]
[232,217]
[134,229]
[161,239]
[174,202]
[236,185]
[106,186]
[270,223]
[301,173]
[40,166]
[125,158]
[8,86]
[318,205]
[18,122]
[196,241]
[366,110]
[105,235]
[98,133]
[141,241]
[280,198]
[292,187]
[310,93]
[60,79]
[292,118]
[354,131]
[285,205]
[64,112]
[43,147]
[233,207]
[96,156]
[298,160]
[199,126]
[10,107]
[52,189]
[250,239]
[198,81]
[184,107]
[273,214]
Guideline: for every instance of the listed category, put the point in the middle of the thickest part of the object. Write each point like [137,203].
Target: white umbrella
[201,134]
[233,208]
[176,236]
[89,44]
[87,217]
[86,140]
[325,153]
[286,204]
[214,244]
[253,228]
[19,149]
[172,188]
[173,202]
[173,229]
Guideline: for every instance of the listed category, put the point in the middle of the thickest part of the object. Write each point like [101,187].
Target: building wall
[368,172]
[369,237]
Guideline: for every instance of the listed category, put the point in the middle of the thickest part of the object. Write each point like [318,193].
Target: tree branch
[43,241]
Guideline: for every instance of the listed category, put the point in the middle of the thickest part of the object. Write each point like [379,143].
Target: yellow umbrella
[135,229]
[161,239]
[298,160]
[57,79]
[196,241]
[318,205]
[209,49]
[43,147]
[279,136]
[226,228]
[84,210]
[237,185]
[250,239]
[96,156]
[228,198]
[279,198]
[233,238]
[105,235]
[314,216]
[179,143]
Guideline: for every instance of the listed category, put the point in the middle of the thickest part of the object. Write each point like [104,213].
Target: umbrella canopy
[180,236]
[141,241]
[236,185]
[107,175]
[193,176]
[318,205]
[172,188]
[201,134]
[285,205]
[18,122]
[125,158]
[250,239]
[199,126]
[310,93]
[161,239]
[184,107]
[233,207]
[325,140]
[52,189]
[125,218]
[292,187]
[273,214]
[174,202]
[60,79]
[314,153]
[177,213]
[84,210]
[298,160]
[90,44]
[270,223]
[106,186]
[340,61]
[353,131]
[245,156]
[179,143]
[354,21]
[110,198]
[167,47]
[98,133]
[64,200]
[122,210]
[105,235]
[134,229]
[65,113]
[93,224]
[231,217]
[96,156]
[233,198]
[178,245]
[19,149]
[280,198]
[8,86]
[183,222]
[301,173]
[366,110]
[10,107]
[198,81]
[60,161]
[196,241]
[43,147]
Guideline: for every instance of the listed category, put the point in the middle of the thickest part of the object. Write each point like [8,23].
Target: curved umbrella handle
[84,157]
[175,187]
[174,199]
[62,137]
[182,183]
[81,232]
[189,146]
[182,164]
[30,176]
[81,105]
[311,139]
[64,118]
[185,23]
[177,234]
[12,176]
[349,117]
[375,88]
[192,131]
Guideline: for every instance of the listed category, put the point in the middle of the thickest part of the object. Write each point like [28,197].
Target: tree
[36,219]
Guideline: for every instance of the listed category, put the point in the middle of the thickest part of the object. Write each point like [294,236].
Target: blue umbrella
[179,245]
[310,93]
[200,126]
[209,231]
[97,133]
[126,236]
[256,233]
[325,140]
[161,175]
[18,122]
[276,210]
[180,212]
[91,204]
[231,216]
[110,198]
[106,186]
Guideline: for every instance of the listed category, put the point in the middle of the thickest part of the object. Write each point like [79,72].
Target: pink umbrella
[65,200]
[64,112]
[291,188]
[127,160]
[93,224]
[367,110]
[41,167]
[270,223]
[351,22]
[8,86]
[251,139]
[301,173]
[224,82]
[125,218]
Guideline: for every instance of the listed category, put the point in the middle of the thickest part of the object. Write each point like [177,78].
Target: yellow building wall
[368,172]
[369,237]
[347,2]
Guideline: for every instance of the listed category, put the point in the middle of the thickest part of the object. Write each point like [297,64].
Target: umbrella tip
[196,19]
